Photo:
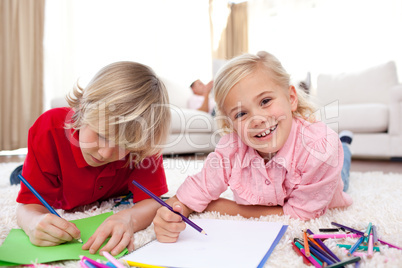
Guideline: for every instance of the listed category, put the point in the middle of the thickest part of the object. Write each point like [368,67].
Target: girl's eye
[265,101]
[238,115]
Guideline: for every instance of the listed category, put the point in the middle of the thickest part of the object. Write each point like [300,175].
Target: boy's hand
[119,228]
[168,225]
[43,228]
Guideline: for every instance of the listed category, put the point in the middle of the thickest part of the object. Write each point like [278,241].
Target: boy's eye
[238,115]
[265,101]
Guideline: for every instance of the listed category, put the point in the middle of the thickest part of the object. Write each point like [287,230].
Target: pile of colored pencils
[315,252]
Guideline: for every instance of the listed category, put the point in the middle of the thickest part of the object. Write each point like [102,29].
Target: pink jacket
[304,177]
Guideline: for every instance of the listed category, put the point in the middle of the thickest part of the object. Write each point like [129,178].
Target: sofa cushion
[359,118]
[368,86]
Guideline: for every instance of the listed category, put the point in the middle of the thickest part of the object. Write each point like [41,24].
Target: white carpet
[377,199]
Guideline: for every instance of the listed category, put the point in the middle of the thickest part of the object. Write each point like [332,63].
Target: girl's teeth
[267,132]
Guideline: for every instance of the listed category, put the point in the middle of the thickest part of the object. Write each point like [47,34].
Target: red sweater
[55,167]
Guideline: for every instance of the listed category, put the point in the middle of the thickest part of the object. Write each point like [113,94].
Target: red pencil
[295,248]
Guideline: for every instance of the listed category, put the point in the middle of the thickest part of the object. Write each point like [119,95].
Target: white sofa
[369,103]
[191,131]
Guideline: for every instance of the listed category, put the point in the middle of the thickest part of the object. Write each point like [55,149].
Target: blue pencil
[160,201]
[43,201]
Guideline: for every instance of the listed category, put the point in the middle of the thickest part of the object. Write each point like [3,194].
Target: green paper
[17,249]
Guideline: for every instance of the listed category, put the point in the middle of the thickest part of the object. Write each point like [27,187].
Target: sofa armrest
[395,115]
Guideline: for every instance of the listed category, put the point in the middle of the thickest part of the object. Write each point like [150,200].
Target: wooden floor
[358,165]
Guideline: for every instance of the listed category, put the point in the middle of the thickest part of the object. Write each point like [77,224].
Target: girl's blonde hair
[240,67]
[128,105]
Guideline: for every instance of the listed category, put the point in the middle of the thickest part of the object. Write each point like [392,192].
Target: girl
[274,156]
[92,151]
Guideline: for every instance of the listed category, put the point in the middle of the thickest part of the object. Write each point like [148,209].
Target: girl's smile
[261,111]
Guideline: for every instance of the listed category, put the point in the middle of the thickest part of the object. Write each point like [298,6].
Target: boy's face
[198,88]
[261,112]
[97,150]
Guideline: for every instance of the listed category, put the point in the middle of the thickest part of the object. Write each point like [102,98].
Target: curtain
[21,72]
[229,29]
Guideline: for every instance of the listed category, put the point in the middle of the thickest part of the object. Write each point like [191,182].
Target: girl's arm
[229,207]
[121,227]
[168,225]
[44,228]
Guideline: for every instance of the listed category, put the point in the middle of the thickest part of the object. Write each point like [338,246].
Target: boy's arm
[229,207]
[44,228]
[121,227]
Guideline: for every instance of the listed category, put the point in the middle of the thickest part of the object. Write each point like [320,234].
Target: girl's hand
[43,228]
[168,225]
[120,228]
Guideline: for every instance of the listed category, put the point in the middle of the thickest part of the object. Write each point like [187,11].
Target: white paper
[228,243]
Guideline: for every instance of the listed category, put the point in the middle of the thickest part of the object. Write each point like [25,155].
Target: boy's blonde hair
[127,104]
[240,67]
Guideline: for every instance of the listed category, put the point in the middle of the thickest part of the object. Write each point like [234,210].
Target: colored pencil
[320,255]
[359,248]
[89,264]
[355,246]
[297,250]
[366,234]
[375,237]
[312,259]
[359,254]
[343,263]
[29,186]
[389,244]
[312,240]
[306,246]
[83,265]
[95,263]
[323,252]
[112,260]
[368,231]
[142,265]
[348,228]
[324,236]
[329,230]
[122,201]
[370,246]
[324,246]
[160,201]
[43,201]
[301,242]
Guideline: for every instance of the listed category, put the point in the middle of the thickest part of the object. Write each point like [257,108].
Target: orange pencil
[305,260]
[315,243]
[306,246]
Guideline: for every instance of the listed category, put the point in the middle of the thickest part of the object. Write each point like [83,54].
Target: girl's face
[97,150]
[261,112]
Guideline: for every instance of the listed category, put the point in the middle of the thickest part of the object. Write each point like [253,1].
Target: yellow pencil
[142,265]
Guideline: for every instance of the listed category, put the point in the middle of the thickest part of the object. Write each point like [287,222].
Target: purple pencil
[319,242]
[160,201]
[375,236]
[389,244]
[348,228]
